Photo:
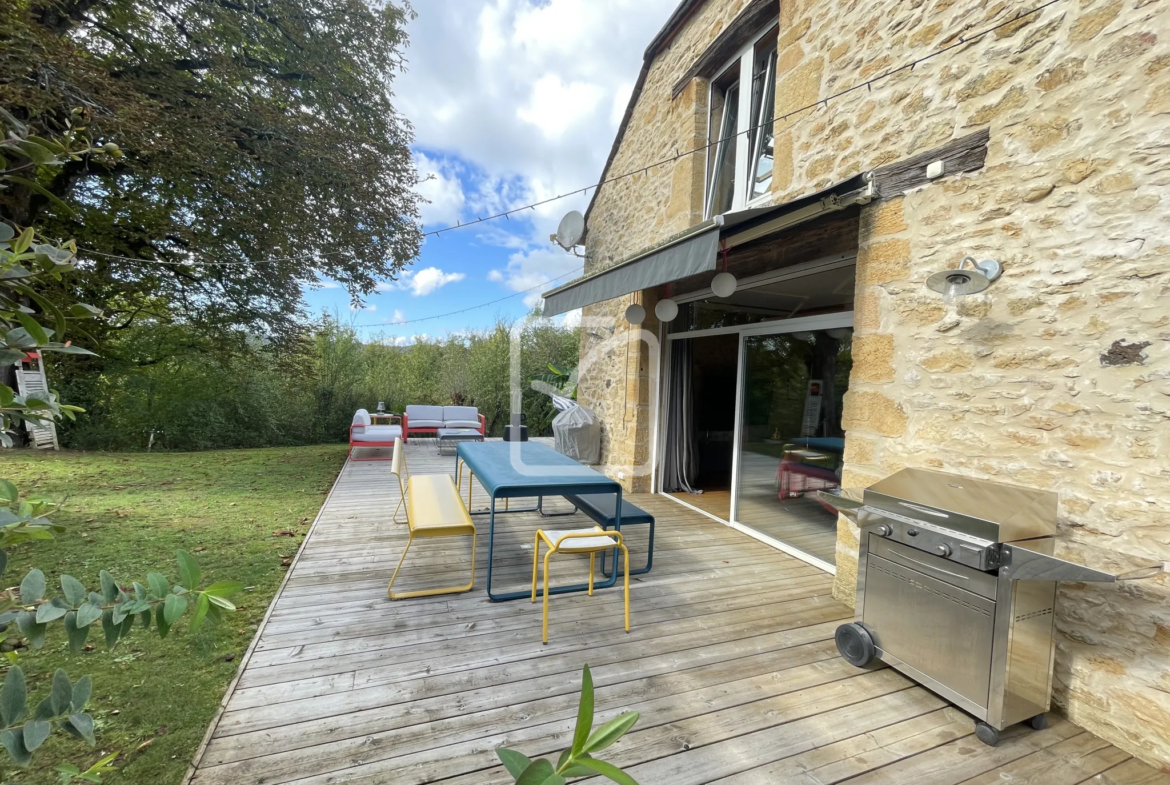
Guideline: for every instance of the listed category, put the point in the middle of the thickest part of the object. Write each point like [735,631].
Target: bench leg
[649,556]
[627,583]
[429,592]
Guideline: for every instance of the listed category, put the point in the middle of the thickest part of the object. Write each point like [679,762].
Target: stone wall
[1059,376]
[632,214]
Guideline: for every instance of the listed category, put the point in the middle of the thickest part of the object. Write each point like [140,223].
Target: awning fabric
[694,253]
[697,249]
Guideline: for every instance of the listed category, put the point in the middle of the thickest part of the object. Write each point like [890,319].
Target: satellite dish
[571,230]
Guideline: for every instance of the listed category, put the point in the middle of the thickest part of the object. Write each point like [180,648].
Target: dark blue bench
[602,508]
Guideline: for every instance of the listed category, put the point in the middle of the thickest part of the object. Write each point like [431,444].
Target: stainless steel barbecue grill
[956,588]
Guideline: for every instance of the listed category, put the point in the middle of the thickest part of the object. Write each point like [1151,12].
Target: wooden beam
[965,154]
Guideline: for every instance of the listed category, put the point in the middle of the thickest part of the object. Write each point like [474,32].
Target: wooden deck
[730,661]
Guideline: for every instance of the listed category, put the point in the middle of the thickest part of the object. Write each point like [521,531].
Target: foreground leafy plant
[578,760]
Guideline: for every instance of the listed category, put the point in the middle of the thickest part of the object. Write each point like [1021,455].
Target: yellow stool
[592,541]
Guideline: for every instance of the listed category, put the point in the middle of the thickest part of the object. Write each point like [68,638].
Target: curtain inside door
[681,459]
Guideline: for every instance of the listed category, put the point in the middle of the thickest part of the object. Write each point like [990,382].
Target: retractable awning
[697,249]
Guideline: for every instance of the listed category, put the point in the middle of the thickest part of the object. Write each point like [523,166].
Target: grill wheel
[855,644]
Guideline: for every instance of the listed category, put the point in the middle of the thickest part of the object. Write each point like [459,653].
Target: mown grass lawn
[152,698]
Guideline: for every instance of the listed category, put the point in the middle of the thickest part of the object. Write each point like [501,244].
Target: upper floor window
[739,160]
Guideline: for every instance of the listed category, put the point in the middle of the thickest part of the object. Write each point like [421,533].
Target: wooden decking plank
[730,659]
[667,698]
[509,683]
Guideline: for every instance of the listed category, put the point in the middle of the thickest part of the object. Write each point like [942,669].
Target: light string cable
[471,307]
[961,40]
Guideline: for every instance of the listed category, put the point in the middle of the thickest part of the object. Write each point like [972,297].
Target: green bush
[196,396]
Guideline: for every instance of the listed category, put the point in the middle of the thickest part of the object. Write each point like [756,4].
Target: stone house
[1053,132]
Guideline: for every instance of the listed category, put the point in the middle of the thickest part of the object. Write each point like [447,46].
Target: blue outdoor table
[509,470]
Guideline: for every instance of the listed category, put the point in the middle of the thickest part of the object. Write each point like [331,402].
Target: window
[739,158]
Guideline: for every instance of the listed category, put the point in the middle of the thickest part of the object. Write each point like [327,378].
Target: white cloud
[398,317]
[495,275]
[535,268]
[441,188]
[363,307]
[325,283]
[528,93]
[428,280]
[421,282]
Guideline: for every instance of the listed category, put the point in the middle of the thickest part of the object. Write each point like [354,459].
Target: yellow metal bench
[433,509]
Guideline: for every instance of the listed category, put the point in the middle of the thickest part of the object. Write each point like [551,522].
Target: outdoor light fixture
[970,277]
[723,285]
[666,310]
[635,314]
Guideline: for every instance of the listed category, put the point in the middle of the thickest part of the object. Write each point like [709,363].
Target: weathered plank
[730,659]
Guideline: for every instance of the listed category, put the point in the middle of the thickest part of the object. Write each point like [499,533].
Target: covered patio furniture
[591,541]
[363,434]
[428,420]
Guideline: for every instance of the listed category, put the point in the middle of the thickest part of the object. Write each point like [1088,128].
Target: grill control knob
[882,531]
[942,549]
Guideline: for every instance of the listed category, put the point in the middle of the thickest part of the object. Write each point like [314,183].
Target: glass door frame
[799,324]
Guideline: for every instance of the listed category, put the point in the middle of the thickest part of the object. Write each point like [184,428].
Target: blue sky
[512,101]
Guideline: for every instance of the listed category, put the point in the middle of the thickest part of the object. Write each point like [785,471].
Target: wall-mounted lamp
[970,277]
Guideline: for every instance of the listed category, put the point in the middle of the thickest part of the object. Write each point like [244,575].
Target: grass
[153,699]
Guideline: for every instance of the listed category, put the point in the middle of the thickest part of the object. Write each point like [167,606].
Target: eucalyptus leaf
[111,630]
[14,744]
[32,588]
[35,733]
[109,586]
[88,613]
[83,724]
[13,697]
[8,492]
[49,612]
[61,694]
[77,635]
[73,590]
[81,692]
[30,628]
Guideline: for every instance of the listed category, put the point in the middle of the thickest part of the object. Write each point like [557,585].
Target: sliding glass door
[789,442]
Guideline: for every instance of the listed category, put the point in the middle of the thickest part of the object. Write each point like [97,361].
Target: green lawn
[128,513]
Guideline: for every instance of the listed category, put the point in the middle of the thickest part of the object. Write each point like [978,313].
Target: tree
[252,130]
[24,264]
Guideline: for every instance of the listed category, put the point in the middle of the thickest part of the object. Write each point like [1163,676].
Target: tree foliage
[277,395]
[252,130]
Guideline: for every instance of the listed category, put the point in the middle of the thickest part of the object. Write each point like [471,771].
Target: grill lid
[988,510]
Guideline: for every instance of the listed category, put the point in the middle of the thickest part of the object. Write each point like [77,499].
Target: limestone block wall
[1059,376]
[632,214]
